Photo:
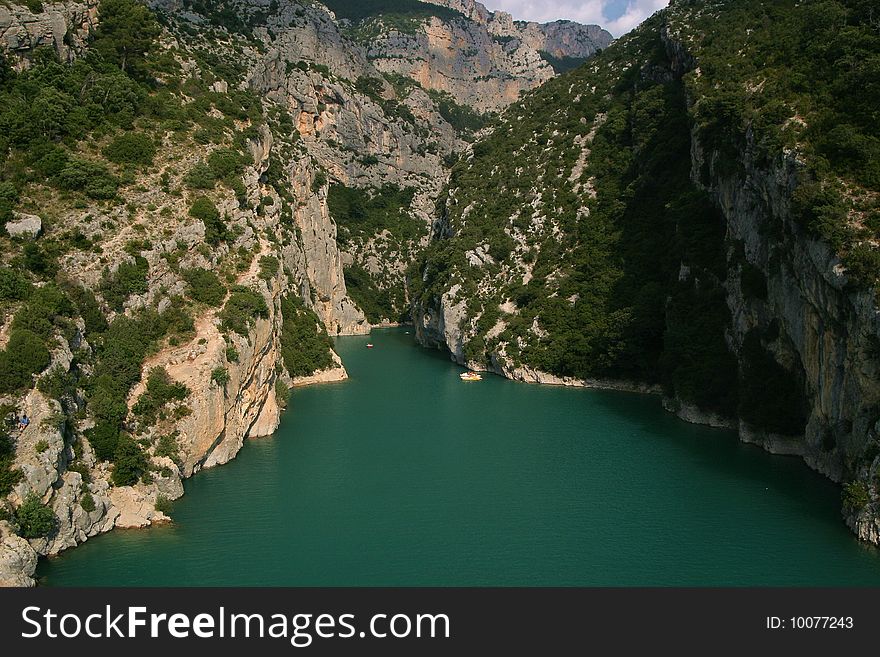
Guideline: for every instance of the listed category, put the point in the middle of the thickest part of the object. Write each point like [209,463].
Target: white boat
[470,376]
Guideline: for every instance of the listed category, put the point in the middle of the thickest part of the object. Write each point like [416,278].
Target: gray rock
[18,560]
[24,225]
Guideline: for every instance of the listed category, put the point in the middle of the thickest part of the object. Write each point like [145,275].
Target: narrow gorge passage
[404,475]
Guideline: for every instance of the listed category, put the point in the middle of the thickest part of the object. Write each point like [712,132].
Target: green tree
[34,519]
[131,148]
[126,33]
[130,462]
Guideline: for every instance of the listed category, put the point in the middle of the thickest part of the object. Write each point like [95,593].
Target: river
[404,475]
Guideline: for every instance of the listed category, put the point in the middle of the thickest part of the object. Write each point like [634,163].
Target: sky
[616,16]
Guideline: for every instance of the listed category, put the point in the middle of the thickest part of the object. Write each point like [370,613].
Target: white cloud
[636,11]
[606,13]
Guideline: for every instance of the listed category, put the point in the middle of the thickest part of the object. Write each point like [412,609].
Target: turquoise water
[404,475]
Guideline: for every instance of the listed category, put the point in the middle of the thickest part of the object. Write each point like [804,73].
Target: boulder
[24,225]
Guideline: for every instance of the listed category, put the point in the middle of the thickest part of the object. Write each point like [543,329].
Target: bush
[161,391]
[25,355]
[34,520]
[200,177]
[305,345]
[168,447]
[131,148]
[268,267]
[87,502]
[855,496]
[91,178]
[282,394]
[120,353]
[204,209]
[9,476]
[104,438]
[129,463]
[243,306]
[127,31]
[361,213]
[863,265]
[377,304]
[129,278]
[14,286]
[88,308]
[226,163]
[220,376]
[41,446]
[163,505]
[204,286]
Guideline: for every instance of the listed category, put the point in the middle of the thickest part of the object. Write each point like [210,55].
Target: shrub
[242,307]
[305,345]
[120,354]
[129,278]
[25,355]
[204,209]
[126,33]
[88,308]
[161,390]
[268,267]
[41,446]
[9,476]
[104,438]
[318,181]
[163,505]
[14,285]
[34,520]
[863,264]
[377,304]
[204,286]
[200,177]
[168,447]
[131,148]
[226,163]
[220,376]
[91,178]
[130,462]
[361,213]
[282,394]
[87,502]
[855,496]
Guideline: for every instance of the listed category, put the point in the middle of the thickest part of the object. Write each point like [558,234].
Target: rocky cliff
[266,128]
[64,26]
[649,229]
[484,59]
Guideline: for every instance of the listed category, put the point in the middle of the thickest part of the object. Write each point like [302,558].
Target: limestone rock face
[485,62]
[17,559]
[24,225]
[66,26]
[39,449]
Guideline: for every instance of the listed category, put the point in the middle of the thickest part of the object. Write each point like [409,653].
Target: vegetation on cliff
[578,243]
[305,345]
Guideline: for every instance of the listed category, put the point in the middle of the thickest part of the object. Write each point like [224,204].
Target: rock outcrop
[65,26]
[485,62]
[24,225]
